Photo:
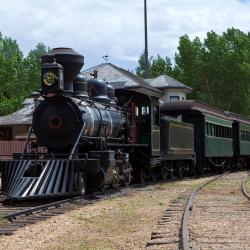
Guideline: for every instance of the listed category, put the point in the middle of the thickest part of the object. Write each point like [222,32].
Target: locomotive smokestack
[71,61]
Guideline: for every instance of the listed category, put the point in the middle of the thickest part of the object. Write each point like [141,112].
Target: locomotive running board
[55,178]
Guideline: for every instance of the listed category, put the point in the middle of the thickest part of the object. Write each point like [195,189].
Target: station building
[170,87]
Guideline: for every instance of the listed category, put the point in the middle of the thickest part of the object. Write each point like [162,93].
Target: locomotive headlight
[49,78]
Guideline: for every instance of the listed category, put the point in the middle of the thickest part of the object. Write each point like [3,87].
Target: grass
[2,220]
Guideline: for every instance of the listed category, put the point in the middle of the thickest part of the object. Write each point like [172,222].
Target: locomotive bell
[71,62]
[52,77]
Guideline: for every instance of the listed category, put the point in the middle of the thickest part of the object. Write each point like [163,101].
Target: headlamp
[49,78]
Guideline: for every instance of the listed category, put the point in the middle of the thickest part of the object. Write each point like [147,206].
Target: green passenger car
[218,137]
[213,135]
[244,136]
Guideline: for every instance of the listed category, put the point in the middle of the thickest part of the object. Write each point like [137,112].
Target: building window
[174,98]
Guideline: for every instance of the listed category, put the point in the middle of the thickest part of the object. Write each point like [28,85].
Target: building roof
[165,82]
[121,78]
[20,117]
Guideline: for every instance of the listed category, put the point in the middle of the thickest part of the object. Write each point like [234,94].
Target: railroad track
[184,229]
[167,233]
[15,216]
[218,217]
[243,186]
[173,228]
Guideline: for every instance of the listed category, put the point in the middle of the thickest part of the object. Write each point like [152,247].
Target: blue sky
[96,28]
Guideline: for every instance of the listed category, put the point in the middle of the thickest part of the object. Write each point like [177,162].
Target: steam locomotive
[85,134]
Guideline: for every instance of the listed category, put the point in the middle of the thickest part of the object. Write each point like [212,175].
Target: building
[170,88]
[120,78]
[173,90]
[14,130]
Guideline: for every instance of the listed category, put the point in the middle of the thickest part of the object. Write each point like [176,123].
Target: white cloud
[96,28]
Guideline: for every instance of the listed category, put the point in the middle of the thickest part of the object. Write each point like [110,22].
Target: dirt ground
[116,223]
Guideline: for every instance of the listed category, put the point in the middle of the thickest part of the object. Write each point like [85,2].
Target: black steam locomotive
[85,134]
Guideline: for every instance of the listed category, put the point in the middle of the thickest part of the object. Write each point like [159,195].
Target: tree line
[19,75]
[217,68]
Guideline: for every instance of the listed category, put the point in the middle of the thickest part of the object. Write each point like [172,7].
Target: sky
[96,28]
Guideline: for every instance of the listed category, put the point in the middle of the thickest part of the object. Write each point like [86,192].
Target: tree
[12,75]
[157,66]
[19,76]
[33,64]
[140,69]
[187,63]
[218,69]
[161,66]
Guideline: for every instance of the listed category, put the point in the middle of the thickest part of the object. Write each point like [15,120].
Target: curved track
[243,186]
[188,209]
[166,234]
[220,213]
[176,230]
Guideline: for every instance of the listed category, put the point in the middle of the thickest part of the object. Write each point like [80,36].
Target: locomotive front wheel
[82,183]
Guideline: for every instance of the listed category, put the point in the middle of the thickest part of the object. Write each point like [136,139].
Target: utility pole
[146,41]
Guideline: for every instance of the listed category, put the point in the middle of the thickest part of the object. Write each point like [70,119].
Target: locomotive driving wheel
[153,175]
[164,172]
[128,176]
[170,170]
[179,170]
[82,183]
[142,175]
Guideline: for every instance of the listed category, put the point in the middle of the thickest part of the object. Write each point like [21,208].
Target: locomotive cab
[147,124]
[144,119]
[143,106]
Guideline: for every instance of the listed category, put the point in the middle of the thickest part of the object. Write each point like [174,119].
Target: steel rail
[55,204]
[184,229]
[243,186]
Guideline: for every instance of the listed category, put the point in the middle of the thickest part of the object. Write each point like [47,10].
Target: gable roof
[165,81]
[121,78]
[20,117]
